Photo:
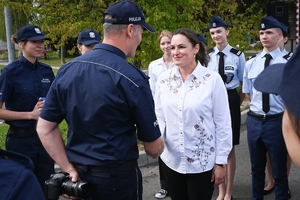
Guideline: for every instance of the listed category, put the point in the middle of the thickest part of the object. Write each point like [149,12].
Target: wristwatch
[221,165]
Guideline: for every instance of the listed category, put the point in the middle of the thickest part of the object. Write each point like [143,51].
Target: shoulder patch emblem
[235,51]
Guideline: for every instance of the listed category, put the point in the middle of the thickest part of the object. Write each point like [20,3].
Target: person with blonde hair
[155,68]
[229,63]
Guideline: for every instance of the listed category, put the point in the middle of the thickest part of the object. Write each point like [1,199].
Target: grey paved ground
[242,184]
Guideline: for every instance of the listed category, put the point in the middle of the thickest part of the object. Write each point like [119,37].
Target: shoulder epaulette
[210,50]
[235,51]
[252,56]
[287,56]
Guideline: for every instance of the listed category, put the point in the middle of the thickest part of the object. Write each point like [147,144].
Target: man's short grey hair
[113,28]
[109,28]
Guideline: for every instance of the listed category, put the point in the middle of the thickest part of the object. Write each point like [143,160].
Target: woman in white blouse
[192,109]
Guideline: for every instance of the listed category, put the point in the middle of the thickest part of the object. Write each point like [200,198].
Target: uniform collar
[196,73]
[226,50]
[27,63]
[274,53]
[111,48]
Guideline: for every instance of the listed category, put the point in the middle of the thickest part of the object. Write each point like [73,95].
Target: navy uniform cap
[268,22]
[283,79]
[284,28]
[217,22]
[127,12]
[88,36]
[31,33]
[201,38]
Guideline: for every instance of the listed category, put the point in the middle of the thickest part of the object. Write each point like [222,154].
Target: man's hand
[74,177]
[218,175]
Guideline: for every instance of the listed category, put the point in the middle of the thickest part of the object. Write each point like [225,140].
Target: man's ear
[79,46]
[130,30]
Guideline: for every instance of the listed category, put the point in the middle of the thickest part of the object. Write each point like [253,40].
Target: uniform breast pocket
[45,87]
[25,93]
[252,77]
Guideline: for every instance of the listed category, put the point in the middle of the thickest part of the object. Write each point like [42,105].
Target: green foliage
[63,20]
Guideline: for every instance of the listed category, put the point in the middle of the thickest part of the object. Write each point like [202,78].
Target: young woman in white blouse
[155,68]
[192,109]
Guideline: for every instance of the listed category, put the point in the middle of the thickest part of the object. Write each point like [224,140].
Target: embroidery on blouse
[172,79]
[174,83]
[199,152]
[196,84]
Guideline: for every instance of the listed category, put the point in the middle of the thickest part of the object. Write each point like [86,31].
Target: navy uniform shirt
[21,85]
[234,62]
[253,68]
[17,180]
[107,103]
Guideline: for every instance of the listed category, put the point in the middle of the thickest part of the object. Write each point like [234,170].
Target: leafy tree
[63,20]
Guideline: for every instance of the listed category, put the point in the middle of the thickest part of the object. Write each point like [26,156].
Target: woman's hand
[218,175]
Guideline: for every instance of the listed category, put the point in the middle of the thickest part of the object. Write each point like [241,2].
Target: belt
[253,114]
[232,90]
[21,132]
[127,165]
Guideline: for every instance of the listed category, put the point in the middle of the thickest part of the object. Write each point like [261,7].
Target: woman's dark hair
[202,56]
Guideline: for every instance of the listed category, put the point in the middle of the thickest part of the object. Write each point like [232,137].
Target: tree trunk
[63,54]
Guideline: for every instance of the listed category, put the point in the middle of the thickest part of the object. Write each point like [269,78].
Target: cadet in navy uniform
[23,83]
[108,105]
[264,121]
[18,181]
[270,186]
[283,79]
[229,62]
[87,39]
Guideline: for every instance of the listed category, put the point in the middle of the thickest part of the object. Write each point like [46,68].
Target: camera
[60,183]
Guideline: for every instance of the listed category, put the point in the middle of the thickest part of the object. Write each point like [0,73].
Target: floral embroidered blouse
[194,120]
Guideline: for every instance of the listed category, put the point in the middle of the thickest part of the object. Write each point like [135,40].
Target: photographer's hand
[74,177]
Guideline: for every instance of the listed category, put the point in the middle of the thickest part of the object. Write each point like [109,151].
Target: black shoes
[266,192]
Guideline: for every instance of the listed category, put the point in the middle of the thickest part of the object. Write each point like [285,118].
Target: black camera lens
[77,189]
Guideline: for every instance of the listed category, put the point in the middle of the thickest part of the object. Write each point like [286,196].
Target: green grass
[4,127]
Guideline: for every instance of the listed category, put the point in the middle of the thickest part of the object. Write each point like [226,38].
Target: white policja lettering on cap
[134,19]
[92,35]
[37,30]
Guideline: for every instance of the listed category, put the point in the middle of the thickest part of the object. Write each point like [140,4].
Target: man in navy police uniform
[108,105]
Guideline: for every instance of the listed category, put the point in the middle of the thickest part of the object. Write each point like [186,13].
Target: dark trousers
[163,184]
[235,114]
[126,185]
[266,136]
[189,186]
[33,148]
